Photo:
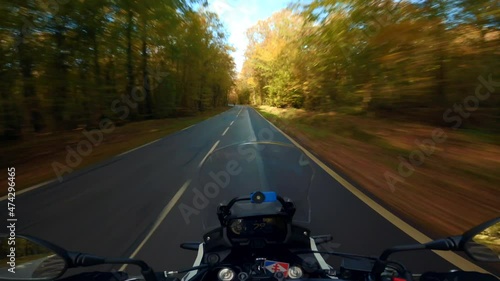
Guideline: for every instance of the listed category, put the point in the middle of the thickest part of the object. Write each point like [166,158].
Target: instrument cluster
[270,228]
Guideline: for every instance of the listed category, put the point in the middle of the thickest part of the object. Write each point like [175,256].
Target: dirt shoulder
[34,156]
[440,180]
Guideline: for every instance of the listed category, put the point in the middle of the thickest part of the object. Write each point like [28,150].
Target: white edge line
[29,189]
[134,149]
[187,127]
[160,219]
[51,181]
[225,131]
[210,151]
[318,257]
[451,257]
[54,180]
[197,262]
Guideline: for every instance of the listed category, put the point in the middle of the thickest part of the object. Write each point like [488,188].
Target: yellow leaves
[406,32]
[467,34]
[405,53]
[467,38]
[269,38]
[492,35]
[394,58]
[251,81]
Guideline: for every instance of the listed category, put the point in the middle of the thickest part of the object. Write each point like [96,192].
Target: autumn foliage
[399,59]
[70,64]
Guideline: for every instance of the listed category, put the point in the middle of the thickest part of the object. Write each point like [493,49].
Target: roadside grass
[455,188]
[33,157]
[330,125]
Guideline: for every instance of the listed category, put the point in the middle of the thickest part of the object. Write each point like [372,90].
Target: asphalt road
[110,208]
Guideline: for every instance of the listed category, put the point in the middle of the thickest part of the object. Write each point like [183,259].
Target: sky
[239,15]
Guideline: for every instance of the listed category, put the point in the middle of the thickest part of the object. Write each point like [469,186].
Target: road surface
[120,207]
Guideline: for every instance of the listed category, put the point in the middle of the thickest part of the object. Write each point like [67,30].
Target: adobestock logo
[222,179]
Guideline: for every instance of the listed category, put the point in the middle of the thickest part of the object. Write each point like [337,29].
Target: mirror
[485,244]
[23,259]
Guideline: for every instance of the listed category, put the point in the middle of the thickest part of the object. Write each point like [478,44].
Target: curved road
[129,205]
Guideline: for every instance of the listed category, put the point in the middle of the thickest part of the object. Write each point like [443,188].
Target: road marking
[127,152]
[210,151]
[225,131]
[197,262]
[231,123]
[28,189]
[451,257]
[160,219]
[54,180]
[187,127]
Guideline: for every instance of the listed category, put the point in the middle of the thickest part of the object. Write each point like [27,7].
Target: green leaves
[272,54]
[390,57]
[66,63]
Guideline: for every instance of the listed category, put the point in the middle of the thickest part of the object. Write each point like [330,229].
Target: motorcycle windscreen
[241,169]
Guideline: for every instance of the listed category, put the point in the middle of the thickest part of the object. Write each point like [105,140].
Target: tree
[271,59]
[394,58]
[65,64]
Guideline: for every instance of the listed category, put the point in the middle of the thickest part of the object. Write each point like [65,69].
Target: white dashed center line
[211,150]
[160,219]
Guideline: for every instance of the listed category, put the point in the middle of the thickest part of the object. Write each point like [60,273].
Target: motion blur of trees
[23,247]
[68,64]
[398,59]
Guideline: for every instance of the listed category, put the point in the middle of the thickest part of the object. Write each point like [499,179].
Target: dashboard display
[273,229]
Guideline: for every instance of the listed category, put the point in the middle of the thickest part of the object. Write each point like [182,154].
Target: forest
[366,85]
[432,61]
[363,85]
[66,64]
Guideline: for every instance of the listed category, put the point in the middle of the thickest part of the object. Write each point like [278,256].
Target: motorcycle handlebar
[113,276]
[428,276]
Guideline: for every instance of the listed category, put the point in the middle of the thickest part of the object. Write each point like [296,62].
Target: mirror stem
[445,244]
[80,259]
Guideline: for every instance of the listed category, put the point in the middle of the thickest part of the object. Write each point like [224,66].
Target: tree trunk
[147,82]
[97,69]
[60,79]
[29,91]
[130,70]
[11,117]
